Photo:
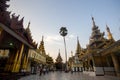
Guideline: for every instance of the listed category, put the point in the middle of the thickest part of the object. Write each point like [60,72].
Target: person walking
[44,70]
[40,71]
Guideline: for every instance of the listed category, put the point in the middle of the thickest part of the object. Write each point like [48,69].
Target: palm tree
[63,32]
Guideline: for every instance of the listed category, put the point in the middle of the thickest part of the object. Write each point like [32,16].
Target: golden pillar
[25,62]
[10,62]
[116,64]
[17,62]
[26,65]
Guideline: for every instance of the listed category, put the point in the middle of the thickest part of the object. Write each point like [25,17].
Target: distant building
[49,62]
[74,62]
[59,63]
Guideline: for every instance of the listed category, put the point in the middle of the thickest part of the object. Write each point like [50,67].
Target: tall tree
[63,32]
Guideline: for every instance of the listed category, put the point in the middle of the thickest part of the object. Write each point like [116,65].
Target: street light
[63,32]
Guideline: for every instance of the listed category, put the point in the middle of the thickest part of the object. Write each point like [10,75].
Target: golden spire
[28,24]
[71,54]
[41,47]
[93,21]
[59,58]
[78,48]
[110,37]
[42,38]
[29,31]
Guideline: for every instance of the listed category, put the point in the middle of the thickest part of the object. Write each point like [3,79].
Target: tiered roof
[59,58]
[14,24]
[96,36]
[41,47]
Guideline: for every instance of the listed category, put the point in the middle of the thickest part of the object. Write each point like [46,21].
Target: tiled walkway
[67,76]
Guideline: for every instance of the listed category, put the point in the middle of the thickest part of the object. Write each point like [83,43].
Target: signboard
[4,53]
[37,56]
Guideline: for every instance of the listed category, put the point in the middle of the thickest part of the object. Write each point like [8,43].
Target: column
[25,62]
[107,61]
[10,62]
[23,65]
[15,61]
[116,64]
[16,66]
[80,69]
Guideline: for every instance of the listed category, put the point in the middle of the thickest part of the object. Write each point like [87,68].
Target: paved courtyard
[67,76]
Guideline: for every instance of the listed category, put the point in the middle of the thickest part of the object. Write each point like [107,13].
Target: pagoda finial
[78,48]
[93,21]
[107,28]
[42,38]
[110,37]
[28,24]
[28,30]
[59,50]
[71,53]
[77,38]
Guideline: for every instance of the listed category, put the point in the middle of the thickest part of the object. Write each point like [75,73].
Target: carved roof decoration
[96,36]
[4,15]
[14,23]
[3,5]
[28,33]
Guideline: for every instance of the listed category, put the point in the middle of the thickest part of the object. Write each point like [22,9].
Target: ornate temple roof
[41,47]
[15,24]
[96,35]
[59,58]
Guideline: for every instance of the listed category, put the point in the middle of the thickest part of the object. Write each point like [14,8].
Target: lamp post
[63,32]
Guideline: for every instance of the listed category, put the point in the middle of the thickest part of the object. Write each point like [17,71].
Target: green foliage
[63,31]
